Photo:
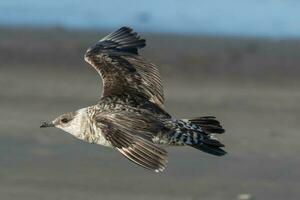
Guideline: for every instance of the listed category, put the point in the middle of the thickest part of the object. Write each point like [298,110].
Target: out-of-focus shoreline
[195,57]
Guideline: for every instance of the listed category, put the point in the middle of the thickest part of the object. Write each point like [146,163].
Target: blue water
[262,18]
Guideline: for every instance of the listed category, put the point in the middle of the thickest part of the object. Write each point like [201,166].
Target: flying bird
[130,116]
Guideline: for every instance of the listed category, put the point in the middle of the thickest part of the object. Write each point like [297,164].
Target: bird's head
[72,122]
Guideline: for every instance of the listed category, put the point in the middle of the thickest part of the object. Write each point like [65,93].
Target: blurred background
[236,59]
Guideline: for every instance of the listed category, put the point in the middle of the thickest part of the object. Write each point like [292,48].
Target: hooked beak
[47,124]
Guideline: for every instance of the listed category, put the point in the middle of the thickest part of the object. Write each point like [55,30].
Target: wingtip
[126,28]
[125,39]
[159,170]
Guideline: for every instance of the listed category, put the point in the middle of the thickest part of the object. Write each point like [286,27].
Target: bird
[130,116]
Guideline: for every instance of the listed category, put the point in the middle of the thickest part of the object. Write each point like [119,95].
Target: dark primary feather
[130,133]
[116,59]
[124,40]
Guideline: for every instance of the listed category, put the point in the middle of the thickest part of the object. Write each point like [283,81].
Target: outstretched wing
[130,133]
[116,59]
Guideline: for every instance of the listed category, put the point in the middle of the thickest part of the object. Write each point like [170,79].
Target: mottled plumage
[116,59]
[130,115]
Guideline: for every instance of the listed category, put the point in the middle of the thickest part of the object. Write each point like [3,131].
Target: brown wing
[116,59]
[130,133]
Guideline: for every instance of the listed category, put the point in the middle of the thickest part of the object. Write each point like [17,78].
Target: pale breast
[94,135]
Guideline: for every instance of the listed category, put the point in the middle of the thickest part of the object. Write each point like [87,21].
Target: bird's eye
[64,120]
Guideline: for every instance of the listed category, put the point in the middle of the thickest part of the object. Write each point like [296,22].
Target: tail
[198,133]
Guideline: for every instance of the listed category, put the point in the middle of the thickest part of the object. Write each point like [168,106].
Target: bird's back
[134,102]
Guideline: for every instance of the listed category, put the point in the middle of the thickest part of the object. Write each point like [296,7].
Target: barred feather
[192,133]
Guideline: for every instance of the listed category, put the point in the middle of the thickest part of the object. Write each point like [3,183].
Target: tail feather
[213,142]
[209,124]
[210,149]
[198,133]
